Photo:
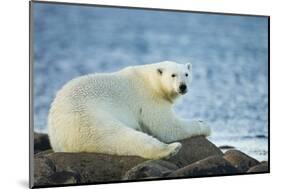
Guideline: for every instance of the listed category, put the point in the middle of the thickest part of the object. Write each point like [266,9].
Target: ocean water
[229,56]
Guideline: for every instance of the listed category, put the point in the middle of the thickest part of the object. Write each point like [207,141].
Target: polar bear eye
[186,74]
[173,75]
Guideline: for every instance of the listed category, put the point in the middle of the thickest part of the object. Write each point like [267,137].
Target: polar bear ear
[160,71]
[189,66]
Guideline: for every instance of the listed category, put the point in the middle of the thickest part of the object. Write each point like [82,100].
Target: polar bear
[128,112]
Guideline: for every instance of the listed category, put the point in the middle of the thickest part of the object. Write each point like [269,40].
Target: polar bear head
[174,79]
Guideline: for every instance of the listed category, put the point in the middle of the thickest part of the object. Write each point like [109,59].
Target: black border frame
[31,62]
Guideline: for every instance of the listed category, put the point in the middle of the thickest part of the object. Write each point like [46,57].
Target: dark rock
[64,177]
[240,160]
[226,147]
[255,136]
[150,169]
[214,165]
[198,157]
[260,168]
[42,153]
[41,142]
[81,167]
[45,173]
[43,168]
[194,149]
[261,136]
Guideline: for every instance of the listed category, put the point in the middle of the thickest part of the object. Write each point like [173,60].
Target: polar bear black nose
[182,87]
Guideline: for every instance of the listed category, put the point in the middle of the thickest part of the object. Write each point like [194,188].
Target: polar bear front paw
[168,151]
[172,149]
[204,128]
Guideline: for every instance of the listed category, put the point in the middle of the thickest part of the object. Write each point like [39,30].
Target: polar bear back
[103,92]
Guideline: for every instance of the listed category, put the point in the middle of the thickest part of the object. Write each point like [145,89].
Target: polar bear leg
[115,138]
[183,129]
[127,141]
[195,128]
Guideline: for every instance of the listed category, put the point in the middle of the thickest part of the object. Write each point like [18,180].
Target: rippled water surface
[229,56]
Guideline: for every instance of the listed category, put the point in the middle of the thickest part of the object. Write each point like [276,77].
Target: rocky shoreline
[197,158]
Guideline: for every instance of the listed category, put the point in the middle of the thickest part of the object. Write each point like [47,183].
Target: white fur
[128,112]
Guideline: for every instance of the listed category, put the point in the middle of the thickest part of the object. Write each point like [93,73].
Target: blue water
[228,53]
